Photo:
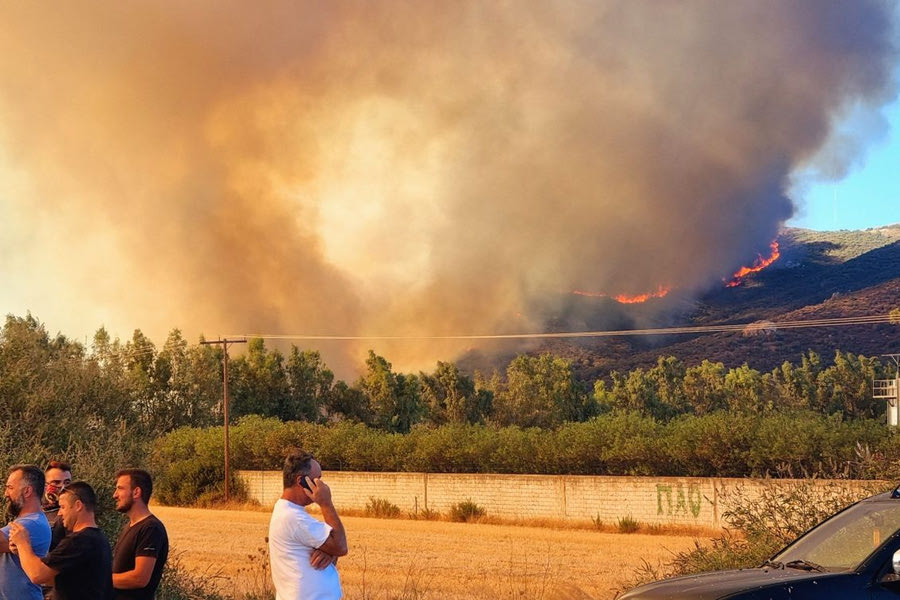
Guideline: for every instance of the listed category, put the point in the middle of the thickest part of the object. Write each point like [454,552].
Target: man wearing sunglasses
[80,567]
[303,551]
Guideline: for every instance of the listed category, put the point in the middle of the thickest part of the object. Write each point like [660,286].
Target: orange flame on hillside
[758,265]
[660,292]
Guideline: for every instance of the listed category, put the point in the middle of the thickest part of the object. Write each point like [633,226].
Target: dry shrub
[627,525]
[759,525]
[180,584]
[257,575]
[466,511]
[381,508]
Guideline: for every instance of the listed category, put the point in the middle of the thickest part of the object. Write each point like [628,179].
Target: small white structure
[889,389]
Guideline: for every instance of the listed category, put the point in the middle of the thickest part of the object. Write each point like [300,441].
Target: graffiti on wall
[678,499]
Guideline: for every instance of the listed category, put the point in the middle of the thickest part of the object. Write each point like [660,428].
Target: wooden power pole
[224,343]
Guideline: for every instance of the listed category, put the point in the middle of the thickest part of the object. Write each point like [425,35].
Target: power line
[751,327]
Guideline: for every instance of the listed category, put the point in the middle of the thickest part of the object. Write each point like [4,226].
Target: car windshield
[845,540]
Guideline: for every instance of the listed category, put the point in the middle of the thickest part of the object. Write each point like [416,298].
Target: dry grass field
[407,559]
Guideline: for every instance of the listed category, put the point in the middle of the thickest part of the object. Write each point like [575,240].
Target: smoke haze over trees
[399,168]
[58,398]
[60,392]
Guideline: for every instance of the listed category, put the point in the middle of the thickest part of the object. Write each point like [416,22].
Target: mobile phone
[304,483]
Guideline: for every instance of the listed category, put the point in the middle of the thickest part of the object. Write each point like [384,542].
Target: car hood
[720,584]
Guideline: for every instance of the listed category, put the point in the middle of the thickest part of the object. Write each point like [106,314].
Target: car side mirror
[893,576]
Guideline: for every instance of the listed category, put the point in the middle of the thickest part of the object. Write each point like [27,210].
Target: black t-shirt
[147,537]
[57,533]
[84,566]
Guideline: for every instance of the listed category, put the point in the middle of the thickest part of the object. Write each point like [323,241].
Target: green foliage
[542,392]
[189,465]
[52,394]
[189,461]
[705,420]
[311,386]
[451,397]
[466,512]
[394,398]
[258,382]
[382,508]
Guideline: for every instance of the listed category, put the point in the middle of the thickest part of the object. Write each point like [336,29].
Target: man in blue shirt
[24,489]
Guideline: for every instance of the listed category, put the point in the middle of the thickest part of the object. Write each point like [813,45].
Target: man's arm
[137,577]
[33,566]
[336,544]
[4,542]
[319,560]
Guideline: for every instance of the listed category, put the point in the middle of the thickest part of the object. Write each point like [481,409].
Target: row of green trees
[190,461]
[671,388]
[59,390]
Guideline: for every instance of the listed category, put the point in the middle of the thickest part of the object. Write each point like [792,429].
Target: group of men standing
[54,540]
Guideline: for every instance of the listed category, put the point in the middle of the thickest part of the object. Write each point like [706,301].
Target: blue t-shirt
[14,583]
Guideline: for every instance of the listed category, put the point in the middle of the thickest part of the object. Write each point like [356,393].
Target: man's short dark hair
[58,464]
[139,479]
[32,476]
[297,463]
[84,492]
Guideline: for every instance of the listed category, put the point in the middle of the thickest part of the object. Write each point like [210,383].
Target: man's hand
[318,491]
[18,536]
[319,560]
[36,570]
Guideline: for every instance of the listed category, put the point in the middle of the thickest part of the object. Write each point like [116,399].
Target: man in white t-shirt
[303,551]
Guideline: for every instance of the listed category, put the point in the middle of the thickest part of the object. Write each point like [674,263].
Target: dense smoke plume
[401,168]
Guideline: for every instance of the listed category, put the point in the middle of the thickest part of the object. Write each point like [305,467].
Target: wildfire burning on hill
[758,265]
[661,292]
[406,168]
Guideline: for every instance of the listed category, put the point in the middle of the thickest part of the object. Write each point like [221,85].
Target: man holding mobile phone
[303,551]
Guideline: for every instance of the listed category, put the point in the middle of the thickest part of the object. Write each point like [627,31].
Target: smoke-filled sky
[407,168]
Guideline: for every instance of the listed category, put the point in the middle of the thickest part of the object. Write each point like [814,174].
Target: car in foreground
[852,555]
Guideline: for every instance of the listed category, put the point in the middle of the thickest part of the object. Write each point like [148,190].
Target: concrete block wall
[688,501]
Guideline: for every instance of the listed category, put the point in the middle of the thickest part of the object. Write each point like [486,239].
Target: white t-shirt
[293,535]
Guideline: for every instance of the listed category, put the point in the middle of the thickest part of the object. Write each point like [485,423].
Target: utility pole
[889,389]
[224,343]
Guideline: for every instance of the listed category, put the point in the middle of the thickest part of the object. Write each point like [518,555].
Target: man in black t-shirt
[143,545]
[80,567]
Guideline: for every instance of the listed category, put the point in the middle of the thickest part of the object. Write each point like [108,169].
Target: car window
[846,539]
